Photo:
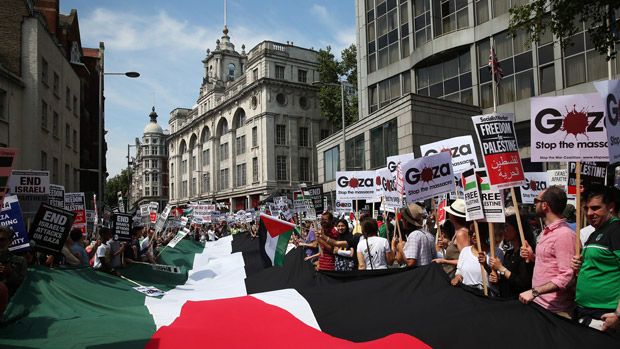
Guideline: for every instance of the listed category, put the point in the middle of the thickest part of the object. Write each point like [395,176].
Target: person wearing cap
[553,274]
[460,240]
[419,249]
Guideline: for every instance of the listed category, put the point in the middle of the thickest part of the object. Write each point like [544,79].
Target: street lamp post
[129,175]
[130,74]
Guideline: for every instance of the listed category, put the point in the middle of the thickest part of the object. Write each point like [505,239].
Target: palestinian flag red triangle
[276,226]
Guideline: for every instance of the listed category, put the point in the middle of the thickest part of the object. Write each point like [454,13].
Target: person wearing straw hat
[419,249]
[460,240]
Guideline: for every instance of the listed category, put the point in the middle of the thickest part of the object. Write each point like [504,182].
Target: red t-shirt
[326,259]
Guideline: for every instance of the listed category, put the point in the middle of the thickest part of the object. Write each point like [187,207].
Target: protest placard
[355,185]
[428,177]
[558,178]
[393,161]
[591,173]
[316,194]
[473,199]
[180,235]
[121,226]
[11,217]
[50,228]
[29,182]
[500,150]
[161,220]
[461,149]
[492,201]
[167,268]
[568,128]
[91,217]
[441,211]
[145,209]
[344,206]
[7,155]
[76,203]
[609,91]
[56,197]
[150,291]
[386,187]
[535,182]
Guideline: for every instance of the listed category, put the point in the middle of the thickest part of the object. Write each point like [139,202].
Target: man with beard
[554,251]
[598,268]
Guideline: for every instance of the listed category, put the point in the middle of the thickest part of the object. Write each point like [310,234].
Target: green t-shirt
[383,231]
[598,284]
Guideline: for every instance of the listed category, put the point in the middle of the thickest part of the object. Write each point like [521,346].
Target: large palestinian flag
[230,300]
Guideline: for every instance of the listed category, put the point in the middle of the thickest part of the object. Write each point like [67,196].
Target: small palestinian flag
[188,211]
[274,235]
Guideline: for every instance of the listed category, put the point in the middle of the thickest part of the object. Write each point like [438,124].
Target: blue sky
[166,40]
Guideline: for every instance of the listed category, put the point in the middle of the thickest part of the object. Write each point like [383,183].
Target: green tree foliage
[331,71]
[563,18]
[120,182]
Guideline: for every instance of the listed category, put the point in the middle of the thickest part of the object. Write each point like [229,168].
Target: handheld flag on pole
[494,68]
[274,235]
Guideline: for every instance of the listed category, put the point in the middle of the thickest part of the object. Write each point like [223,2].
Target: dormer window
[231,72]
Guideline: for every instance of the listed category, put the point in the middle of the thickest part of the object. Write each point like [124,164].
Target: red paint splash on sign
[354,183]
[426,175]
[575,122]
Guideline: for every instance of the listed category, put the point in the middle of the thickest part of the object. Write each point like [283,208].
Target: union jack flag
[494,67]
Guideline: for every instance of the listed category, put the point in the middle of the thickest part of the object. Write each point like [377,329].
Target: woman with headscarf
[344,254]
[460,240]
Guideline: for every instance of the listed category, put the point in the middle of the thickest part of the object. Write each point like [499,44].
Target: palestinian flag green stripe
[470,185]
[281,246]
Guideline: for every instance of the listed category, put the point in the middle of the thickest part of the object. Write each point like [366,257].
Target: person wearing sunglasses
[554,251]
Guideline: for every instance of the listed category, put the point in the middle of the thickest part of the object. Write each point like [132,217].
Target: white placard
[428,177]
[393,161]
[535,182]
[29,182]
[491,199]
[609,91]
[568,128]
[392,198]
[344,206]
[473,199]
[461,149]
[355,185]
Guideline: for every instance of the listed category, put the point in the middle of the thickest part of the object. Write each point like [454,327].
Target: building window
[76,180]
[582,63]
[331,157]
[55,170]
[43,115]
[324,133]
[44,71]
[147,191]
[304,169]
[55,125]
[172,190]
[43,161]
[303,137]
[280,134]
[254,136]
[183,166]
[147,178]
[155,163]
[255,74]
[193,192]
[240,145]
[68,135]
[241,175]
[75,140]
[206,182]
[223,179]
[281,173]
[68,98]
[75,105]
[280,72]
[193,163]
[481,11]
[155,191]
[302,75]
[206,157]
[56,86]
[147,163]
[231,71]
[155,177]
[453,16]
[172,170]
[422,22]
[154,150]
[3,111]
[255,170]
[355,153]
[184,189]
[223,151]
[450,79]
[67,175]
[383,143]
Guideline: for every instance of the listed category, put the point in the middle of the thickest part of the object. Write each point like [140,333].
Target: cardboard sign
[428,177]
[492,201]
[7,156]
[180,235]
[558,178]
[76,202]
[121,226]
[461,149]
[591,173]
[609,91]
[150,291]
[355,185]
[393,161]
[316,195]
[167,268]
[473,198]
[568,128]
[30,182]
[441,211]
[161,220]
[57,196]
[500,150]
[11,217]
[386,184]
[535,182]
[344,206]
[50,228]
[145,209]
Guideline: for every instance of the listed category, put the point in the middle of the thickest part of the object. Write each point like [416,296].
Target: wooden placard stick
[491,239]
[515,204]
[435,215]
[483,272]
[578,203]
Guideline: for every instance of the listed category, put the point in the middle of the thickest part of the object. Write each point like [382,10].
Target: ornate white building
[253,130]
[149,172]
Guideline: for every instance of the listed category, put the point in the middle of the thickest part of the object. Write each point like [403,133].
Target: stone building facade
[253,130]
